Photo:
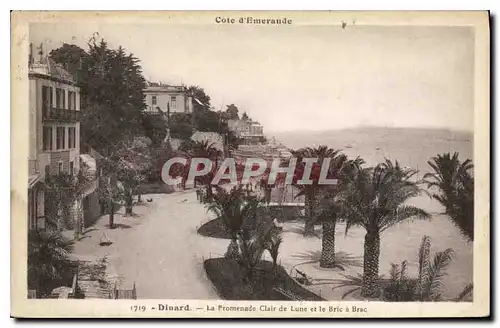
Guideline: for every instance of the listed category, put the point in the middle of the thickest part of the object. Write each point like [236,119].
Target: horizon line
[375,127]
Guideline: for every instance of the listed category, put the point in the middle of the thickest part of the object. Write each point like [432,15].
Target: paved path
[160,249]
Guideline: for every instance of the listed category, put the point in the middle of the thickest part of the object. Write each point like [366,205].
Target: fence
[127,294]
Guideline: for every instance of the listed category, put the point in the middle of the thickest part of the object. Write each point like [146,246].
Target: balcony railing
[60,114]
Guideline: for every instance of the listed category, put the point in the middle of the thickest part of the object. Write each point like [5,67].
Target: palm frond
[349,280]
[394,272]
[436,271]
[464,293]
[350,292]
[403,213]
[423,263]
[404,267]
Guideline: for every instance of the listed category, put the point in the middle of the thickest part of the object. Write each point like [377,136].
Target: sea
[410,147]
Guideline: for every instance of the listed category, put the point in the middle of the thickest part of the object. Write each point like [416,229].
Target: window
[173,100]
[46,100]
[71,137]
[60,99]
[60,138]
[47,170]
[153,100]
[71,168]
[47,138]
[60,167]
[71,102]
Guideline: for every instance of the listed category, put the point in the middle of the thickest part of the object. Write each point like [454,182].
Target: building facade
[162,97]
[250,131]
[54,137]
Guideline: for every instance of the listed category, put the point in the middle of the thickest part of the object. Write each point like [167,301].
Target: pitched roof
[48,66]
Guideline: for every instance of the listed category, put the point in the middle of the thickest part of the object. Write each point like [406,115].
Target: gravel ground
[158,249]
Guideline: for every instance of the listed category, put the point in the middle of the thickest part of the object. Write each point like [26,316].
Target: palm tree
[456,189]
[400,287]
[311,191]
[427,286]
[48,259]
[206,149]
[233,209]
[330,208]
[375,200]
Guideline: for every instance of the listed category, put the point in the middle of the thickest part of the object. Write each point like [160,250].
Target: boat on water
[377,148]
[348,146]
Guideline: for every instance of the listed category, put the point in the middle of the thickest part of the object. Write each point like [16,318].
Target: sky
[305,77]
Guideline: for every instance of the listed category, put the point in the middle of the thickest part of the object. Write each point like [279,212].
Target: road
[160,250]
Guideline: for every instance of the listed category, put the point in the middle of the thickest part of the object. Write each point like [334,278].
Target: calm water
[411,147]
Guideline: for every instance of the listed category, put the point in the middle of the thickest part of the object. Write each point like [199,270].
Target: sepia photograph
[245,164]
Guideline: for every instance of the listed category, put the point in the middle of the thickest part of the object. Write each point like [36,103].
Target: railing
[60,114]
[127,294]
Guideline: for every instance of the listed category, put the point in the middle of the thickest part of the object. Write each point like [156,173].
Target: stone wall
[91,209]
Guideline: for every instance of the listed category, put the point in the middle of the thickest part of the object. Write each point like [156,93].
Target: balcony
[60,114]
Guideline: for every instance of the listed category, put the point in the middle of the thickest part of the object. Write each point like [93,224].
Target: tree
[181,126]
[154,128]
[232,209]
[375,199]
[62,190]
[207,150]
[159,155]
[71,57]
[109,190]
[310,191]
[48,259]
[232,112]
[133,163]
[272,241]
[201,101]
[455,187]
[112,89]
[427,286]
[330,208]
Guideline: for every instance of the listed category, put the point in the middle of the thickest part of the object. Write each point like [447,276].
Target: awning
[33,180]
[89,161]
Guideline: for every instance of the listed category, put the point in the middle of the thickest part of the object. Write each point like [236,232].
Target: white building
[167,97]
[54,136]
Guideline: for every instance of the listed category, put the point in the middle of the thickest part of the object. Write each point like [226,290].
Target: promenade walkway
[159,249]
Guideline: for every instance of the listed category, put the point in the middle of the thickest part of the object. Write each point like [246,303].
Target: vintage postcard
[250,164]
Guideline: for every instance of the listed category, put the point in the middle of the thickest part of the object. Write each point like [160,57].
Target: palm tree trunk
[327,259]
[309,224]
[111,214]
[232,249]
[209,192]
[275,264]
[370,265]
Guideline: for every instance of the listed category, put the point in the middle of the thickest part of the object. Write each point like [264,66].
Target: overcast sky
[305,77]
